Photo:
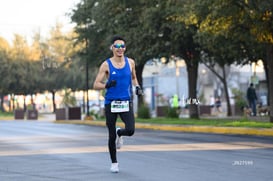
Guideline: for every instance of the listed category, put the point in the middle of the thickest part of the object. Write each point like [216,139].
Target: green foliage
[144,112]
[6,114]
[43,65]
[240,101]
[173,112]
[209,122]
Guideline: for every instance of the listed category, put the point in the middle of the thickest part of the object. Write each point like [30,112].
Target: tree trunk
[224,80]
[53,101]
[83,103]
[25,106]
[2,103]
[33,103]
[269,55]
[139,70]
[13,102]
[192,69]
[10,108]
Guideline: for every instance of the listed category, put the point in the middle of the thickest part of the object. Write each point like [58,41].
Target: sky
[24,17]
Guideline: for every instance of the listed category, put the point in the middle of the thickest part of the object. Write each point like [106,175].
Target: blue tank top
[123,89]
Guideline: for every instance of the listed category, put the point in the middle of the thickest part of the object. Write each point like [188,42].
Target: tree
[261,28]
[221,51]
[178,38]
[249,22]
[4,70]
[98,22]
[148,24]
[59,62]
[47,64]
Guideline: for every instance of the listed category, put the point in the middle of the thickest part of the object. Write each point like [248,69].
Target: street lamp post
[87,80]
[86,62]
[88,23]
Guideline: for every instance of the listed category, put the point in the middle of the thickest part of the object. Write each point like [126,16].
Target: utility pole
[86,63]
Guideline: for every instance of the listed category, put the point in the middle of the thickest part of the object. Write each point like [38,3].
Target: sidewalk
[47,117]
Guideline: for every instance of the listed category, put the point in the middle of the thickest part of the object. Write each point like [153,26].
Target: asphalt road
[46,151]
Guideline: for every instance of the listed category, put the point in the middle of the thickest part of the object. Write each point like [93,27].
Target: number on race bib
[119,106]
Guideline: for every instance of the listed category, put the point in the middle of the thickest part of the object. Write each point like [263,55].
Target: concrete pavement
[46,151]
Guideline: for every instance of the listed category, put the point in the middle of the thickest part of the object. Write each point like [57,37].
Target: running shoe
[114,168]
[119,140]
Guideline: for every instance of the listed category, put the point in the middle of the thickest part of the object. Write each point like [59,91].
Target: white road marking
[141,148]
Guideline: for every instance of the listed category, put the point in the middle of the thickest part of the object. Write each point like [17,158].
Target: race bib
[119,106]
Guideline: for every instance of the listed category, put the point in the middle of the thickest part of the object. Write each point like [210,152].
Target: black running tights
[111,119]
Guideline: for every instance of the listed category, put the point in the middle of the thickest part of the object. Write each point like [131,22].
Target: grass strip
[208,122]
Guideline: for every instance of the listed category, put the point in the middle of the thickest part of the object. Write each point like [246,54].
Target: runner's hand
[111,83]
[139,91]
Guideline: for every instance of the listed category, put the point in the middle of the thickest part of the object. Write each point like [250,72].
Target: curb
[179,128]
